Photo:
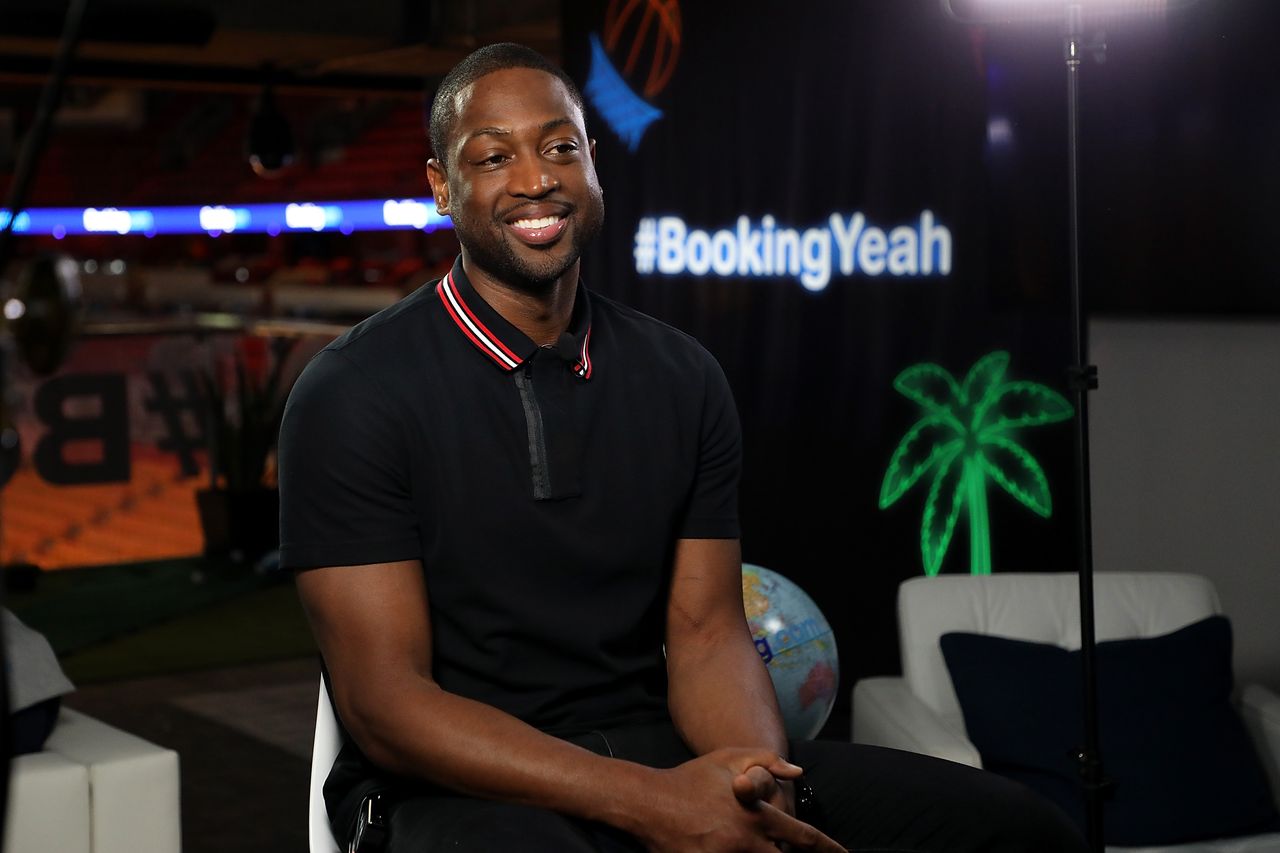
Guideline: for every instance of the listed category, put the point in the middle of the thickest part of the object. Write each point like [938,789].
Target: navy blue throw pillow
[1182,764]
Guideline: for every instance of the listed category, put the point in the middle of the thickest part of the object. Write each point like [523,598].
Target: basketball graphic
[641,45]
[644,27]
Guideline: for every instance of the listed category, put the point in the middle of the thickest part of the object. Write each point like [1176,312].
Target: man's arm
[372,625]
[373,631]
[719,691]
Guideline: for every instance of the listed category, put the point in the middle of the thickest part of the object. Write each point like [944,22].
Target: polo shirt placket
[546,378]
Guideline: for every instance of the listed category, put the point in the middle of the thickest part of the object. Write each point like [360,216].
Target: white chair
[324,750]
[93,789]
[918,711]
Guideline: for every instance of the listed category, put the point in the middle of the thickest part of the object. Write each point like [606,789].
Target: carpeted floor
[271,713]
[131,620]
[243,736]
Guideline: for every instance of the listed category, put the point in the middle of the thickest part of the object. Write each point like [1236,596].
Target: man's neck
[543,317]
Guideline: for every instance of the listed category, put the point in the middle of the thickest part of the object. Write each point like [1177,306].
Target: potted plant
[240,509]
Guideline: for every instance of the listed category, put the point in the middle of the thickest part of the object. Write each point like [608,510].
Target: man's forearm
[479,750]
[720,694]
[425,732]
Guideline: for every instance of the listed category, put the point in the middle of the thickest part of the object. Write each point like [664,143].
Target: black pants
[872,799]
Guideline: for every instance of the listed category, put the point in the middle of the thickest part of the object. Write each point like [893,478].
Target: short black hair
[479,63]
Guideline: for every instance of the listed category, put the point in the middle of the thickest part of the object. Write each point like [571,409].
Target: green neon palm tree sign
[966,438]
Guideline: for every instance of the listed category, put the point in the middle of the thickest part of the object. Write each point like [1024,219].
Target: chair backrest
[1043,607]
[324,749]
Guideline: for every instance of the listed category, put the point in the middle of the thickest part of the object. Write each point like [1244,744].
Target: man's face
[521,183]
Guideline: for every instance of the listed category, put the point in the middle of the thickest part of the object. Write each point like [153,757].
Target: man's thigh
[426,824]
[876,799]
[442,821]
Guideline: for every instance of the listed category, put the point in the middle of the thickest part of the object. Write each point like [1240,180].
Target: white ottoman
[48,805]
[99,788]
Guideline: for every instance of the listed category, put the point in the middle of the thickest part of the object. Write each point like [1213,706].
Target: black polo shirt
[542,489]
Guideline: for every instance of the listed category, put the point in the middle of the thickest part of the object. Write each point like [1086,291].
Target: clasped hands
[731,801]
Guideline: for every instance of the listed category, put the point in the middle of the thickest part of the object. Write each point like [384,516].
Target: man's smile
[538,225]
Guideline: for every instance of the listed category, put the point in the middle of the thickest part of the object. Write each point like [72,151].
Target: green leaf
[984,377]
[931,386]
[942,509]
[922,446]
[1017,472]
[1018,404]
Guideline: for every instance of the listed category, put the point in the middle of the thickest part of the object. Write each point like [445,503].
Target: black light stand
[1083,379]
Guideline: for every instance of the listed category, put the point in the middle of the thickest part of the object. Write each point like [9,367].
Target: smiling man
[513,505]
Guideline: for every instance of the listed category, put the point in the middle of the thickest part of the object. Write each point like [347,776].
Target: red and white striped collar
[502,342]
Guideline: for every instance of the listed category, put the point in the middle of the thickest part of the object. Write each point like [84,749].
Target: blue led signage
[343,216]
[846,245]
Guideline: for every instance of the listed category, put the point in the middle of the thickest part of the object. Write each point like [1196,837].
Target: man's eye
[492,160]
[564,148]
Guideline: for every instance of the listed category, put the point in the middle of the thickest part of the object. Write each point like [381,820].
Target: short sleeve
[713,504]
[344,462]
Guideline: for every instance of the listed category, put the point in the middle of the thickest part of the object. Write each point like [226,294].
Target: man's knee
[1030,822]
[885,797]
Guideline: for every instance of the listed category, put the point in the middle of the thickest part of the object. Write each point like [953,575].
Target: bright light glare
[1089,5]
[1014,11]
[999,131]
[344,216]
[14,309]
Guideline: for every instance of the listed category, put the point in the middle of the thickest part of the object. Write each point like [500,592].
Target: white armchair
[919,711]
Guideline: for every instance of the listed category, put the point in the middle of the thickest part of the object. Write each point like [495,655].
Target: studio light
[1054,11]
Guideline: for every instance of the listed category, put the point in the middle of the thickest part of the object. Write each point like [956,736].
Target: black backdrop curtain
[890,110]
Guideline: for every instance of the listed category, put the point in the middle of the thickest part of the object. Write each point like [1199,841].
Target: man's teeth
[536,223]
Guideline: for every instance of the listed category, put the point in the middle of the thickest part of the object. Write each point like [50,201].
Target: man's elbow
[701,636]
[378,721]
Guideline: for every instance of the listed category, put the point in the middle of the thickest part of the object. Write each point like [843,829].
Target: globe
[797,646]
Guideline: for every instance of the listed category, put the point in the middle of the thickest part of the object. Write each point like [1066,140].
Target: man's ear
[591,148]
[439,185]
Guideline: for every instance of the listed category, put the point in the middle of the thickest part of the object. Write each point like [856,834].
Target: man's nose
[531,179]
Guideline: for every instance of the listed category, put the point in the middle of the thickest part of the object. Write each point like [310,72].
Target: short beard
[502,263]
[499,259]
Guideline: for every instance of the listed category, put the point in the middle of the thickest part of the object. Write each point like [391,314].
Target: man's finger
[782,827]
[783,769]
[754,785]
[771,761]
